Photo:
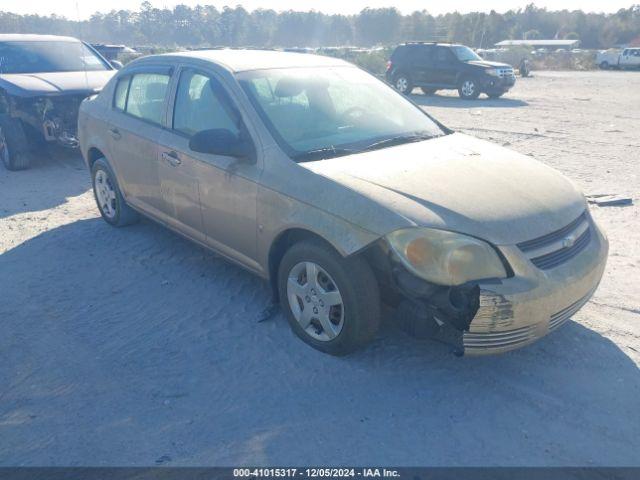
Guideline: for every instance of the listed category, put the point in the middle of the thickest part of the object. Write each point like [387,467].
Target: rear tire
[468,89]
[495,95]
[350,279]
[604,65]
[14,147]
[402,83]
[109,199]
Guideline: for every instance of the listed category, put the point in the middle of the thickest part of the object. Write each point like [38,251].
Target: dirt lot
[134,347]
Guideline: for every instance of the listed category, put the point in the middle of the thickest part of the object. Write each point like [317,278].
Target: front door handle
[172,158]
[115,133]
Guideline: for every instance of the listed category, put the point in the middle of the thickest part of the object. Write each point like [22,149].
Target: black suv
[440,66]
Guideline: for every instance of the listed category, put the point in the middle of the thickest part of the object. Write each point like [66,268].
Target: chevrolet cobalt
[344,196]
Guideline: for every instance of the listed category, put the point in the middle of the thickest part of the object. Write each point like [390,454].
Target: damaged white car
[344,195]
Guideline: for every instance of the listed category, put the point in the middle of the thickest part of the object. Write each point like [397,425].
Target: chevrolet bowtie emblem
[569,241]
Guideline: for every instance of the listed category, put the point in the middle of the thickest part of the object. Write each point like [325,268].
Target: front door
[634,57]
[209,197]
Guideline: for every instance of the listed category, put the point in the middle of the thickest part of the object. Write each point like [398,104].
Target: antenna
[82,46]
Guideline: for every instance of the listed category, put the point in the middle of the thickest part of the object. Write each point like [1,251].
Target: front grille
[559,318]
[508,338]
[506,72]
[556,248]
[551,260]
[552,237]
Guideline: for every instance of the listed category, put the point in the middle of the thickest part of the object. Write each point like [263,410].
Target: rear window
[398,53]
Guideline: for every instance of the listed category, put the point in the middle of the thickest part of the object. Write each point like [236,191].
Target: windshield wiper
[322,153]
[399,140]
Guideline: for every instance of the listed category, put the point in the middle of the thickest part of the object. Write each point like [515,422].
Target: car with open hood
[344,195]
[43,79]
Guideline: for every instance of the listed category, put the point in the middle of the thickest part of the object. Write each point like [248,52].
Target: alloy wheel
[315,301]
[468,88]
[402,84]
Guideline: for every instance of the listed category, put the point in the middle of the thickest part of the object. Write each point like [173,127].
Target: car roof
[19,37]
[242,60]
[439,44]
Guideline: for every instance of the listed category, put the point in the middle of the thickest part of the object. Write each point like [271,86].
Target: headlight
[445,258]
[494,72]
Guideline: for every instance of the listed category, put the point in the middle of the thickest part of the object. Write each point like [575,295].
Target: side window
[147,92]
[442,55]
[424,53]
[198,107]
[120,96]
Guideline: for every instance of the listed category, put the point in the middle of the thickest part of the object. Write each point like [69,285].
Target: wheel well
[280,246]
[93,155]
[401,71]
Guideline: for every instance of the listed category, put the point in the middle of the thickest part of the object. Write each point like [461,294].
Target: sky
[74,9]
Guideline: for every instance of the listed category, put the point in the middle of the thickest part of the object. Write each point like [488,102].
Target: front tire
[332,303]
[428,91]
[402,83]
[14,148]
[111,203]
[495,95]
[468,89]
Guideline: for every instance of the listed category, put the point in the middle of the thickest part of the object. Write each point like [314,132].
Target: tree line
[206,25]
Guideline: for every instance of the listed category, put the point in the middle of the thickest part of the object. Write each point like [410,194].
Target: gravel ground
[134,347]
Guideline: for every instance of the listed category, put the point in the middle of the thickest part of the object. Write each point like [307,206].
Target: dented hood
[458,183]
[54,83]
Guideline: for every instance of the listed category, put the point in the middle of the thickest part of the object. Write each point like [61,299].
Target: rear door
[421,61]
[445,67]
[136,120]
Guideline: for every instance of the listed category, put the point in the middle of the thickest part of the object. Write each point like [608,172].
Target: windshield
[41,57]
[465,54]
[326,112]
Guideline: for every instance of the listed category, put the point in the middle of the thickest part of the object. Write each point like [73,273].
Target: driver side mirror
[220,141]
[116,64]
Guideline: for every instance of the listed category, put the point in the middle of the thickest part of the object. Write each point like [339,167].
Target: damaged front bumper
[501,315]
[53,130]
[54,117]
[534,302]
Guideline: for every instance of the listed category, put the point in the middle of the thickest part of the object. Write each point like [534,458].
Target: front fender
[279,213]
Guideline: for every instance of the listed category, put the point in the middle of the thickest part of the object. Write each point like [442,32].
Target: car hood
[54,83]
[457,183]
[488,64]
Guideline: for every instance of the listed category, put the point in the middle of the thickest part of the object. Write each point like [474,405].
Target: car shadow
[55,174]
[133,346]
[456,102]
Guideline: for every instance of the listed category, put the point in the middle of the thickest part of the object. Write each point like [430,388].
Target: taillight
[389,65]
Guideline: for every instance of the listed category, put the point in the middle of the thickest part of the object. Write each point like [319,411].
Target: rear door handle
[172,158]
[115,133]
